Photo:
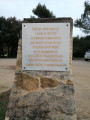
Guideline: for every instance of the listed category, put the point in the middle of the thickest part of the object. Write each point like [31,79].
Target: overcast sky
[61,8]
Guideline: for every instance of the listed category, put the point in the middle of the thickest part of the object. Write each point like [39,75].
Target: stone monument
[43,87]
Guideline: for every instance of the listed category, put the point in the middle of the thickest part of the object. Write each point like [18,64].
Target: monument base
[55,103]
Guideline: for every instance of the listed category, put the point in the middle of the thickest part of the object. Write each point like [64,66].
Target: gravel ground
[81,78]
[7,72]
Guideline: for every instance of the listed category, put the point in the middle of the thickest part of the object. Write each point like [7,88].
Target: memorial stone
[43,87]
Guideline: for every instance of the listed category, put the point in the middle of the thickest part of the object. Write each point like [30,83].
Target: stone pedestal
[42,95]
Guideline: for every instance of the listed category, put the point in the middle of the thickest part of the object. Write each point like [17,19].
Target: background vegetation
[80,46]
[9,36]
[4,98]
[10,31]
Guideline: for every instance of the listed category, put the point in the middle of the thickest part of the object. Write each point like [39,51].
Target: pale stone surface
[50,104]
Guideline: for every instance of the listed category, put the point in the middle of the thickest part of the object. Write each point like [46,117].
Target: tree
[9,36]
[84,22]
[80,46]
[13,35]
[42,12]
[2,35]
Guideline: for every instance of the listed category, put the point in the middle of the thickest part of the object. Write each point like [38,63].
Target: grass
[4,98]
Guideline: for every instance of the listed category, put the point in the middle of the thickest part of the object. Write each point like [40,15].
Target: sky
[61,8]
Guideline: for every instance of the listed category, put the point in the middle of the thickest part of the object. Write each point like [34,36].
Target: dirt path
[81,77]
[7,71]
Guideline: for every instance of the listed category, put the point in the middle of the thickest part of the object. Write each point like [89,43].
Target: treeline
[10,33]
[80,46]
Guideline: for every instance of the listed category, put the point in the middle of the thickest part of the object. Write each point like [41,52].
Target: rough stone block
[26,82]
[49,104]
[48,82]
[19,62]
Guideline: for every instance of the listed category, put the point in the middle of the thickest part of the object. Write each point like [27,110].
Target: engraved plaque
[45,46]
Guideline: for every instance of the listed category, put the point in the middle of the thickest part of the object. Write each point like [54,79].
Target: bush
[80,46]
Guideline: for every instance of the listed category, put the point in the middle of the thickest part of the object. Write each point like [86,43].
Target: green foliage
[84,21]
[4,98]
[2,35]
[9,36]
[42,12]
[80,46]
